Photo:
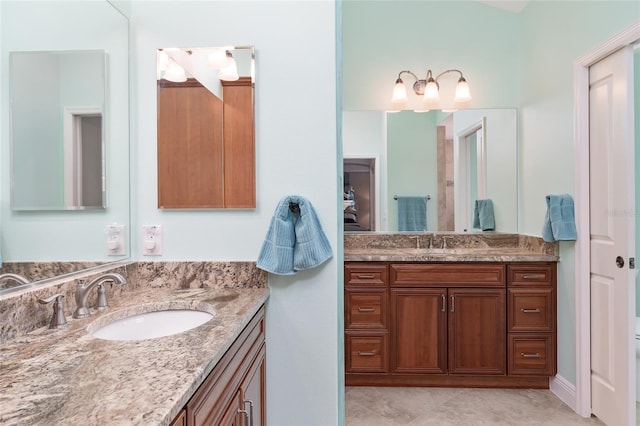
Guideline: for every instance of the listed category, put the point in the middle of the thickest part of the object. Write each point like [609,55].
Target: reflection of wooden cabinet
[450,324]
[234,392]
[239,145]
[206,149]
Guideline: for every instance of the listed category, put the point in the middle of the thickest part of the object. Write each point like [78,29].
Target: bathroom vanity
[478,316]
[204,375]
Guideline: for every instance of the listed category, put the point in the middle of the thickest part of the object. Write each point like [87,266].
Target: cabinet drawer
[531,275]
[447,275]
[366,353]
[366,309]
[531,310]
[531,355]
[366,274]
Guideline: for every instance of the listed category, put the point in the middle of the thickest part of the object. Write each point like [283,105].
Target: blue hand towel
[295,240]
[412,213]
[483,217]
[559,222]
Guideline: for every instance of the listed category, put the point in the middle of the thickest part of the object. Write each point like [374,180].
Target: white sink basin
[150,325]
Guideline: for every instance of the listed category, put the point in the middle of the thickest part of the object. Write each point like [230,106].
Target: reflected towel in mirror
[483,217]
[412,213]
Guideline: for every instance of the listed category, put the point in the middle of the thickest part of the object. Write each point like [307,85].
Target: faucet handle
[101,301]
[444,240]
[58,319]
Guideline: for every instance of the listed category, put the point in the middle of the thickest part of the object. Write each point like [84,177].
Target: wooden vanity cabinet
[234,391]
[458,327]
[366,318]
[532,337]
[450,324]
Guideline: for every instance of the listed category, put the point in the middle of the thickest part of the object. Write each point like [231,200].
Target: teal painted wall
[412,166]
[552,35]
[381,38]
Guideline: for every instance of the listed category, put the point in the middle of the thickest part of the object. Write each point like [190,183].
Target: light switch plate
[115,240]
[152,240]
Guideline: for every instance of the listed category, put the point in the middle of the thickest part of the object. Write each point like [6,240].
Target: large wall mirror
[57,164]
[64,137]
[206,121]
[452,158]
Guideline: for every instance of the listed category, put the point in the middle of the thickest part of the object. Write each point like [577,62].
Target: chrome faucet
[431,238]
[15,277]
[82,293]
[444,241]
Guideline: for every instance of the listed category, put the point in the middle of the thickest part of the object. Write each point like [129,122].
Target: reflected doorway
[359,194]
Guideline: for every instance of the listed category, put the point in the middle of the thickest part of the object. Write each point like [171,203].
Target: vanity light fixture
[229,72]
[429,89]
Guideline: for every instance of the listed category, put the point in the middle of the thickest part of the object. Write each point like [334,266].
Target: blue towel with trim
[483,217]
[295,240]
[412,213]
[559,221]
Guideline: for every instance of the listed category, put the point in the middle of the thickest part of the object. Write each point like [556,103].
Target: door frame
[581,190]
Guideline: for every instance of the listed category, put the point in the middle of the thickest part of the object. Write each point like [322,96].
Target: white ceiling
[514,6]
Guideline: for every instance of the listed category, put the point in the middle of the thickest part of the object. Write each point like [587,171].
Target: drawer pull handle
[453,303]
[366,277]
[366,310]
[531,311]
[444,303]
[533,276]
[366,353]
[536,355]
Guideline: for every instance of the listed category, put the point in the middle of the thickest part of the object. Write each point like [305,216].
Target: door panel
[611,195]
[419,331]
[477,332]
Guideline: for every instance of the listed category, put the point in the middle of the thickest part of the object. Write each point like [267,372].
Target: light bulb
[462,91]
[175,73]
[399,96]
[431,91]
[217,59]
[230,71]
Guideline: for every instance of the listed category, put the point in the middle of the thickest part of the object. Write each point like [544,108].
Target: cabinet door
[419,331]
[253,391]
[231,415]
[477,332]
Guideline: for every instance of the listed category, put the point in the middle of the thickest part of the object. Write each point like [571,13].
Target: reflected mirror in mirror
[57,132]
[45,239]
[206,142]
[453,158]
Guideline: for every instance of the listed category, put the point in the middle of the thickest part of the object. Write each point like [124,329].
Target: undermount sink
[150,325]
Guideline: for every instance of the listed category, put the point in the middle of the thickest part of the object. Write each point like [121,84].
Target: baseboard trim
[564,390]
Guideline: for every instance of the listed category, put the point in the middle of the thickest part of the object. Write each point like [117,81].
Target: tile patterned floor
[382,406]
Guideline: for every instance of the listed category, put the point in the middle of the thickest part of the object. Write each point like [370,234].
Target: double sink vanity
[449,310]
[201,374]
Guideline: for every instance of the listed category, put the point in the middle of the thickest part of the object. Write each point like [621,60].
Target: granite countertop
[67,376]
[475,254]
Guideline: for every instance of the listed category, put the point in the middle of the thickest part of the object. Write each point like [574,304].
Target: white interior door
[612,234]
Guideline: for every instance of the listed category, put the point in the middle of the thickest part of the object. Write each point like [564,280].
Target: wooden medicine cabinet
[206,138]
